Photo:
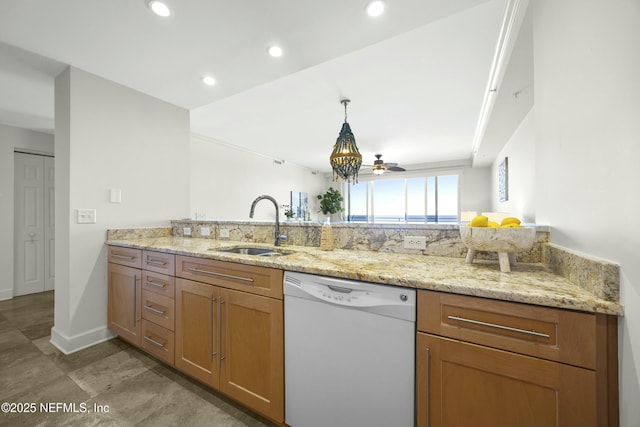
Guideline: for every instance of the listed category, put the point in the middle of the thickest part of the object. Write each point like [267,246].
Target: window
[420,199]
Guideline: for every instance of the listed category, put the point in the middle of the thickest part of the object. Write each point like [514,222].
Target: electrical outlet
[86,216]
[186,231]
[205,231]
[224,233]
[415,242]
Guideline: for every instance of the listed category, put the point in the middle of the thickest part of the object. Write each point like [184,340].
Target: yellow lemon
[492,224]
[512,225]
[510,220]
[479,221]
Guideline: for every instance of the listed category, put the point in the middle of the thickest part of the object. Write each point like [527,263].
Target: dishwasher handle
[340,289]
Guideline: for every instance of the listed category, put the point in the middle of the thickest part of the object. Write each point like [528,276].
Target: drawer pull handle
[211,301]
[220,318]
[131,258]
[226,276]
[493,325]
[157,285]
[154,342]
[135,300]
[156,263]
[155,310]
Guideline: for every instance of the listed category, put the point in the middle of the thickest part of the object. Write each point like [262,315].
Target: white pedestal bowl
[505,241]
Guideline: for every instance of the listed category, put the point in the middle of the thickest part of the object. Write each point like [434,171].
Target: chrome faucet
[278,236]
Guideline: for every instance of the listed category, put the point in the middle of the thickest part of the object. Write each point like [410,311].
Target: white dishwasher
[349,353]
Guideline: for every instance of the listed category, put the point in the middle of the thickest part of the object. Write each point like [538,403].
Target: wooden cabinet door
[475,385]
[252,366]
[124,301]
[196,335]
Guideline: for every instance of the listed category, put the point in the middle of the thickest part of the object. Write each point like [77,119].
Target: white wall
[587,96]
[475,189]
[521,152]
[249,175]
[226,179]
[586,135]
[108,136]
[12,138]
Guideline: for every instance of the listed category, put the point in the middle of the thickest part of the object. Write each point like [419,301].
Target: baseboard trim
[6,294]
[69,345]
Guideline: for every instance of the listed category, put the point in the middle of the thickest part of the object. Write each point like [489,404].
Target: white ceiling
[416,76]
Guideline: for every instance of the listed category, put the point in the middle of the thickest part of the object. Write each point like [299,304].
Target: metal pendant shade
[345,158]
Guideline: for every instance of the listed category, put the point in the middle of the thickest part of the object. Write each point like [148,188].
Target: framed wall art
[503,180]
[299,204]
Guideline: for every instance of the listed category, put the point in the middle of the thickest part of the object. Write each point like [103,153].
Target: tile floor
[136,389]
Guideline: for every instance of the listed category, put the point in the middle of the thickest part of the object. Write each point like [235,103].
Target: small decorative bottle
[327,241]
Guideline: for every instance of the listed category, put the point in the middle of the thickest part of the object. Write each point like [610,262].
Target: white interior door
[33,203]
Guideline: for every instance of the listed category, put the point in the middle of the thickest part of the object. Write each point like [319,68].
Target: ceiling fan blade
[391,165]
[395,168]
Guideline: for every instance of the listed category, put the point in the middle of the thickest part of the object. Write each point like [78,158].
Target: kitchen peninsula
[556,326]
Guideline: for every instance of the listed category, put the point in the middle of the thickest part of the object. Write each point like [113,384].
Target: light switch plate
[115,195]
[86,216]
[224,233]
[415,242]
[186,231]
[205,231]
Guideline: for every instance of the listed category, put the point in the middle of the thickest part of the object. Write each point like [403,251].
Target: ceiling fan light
[378,171]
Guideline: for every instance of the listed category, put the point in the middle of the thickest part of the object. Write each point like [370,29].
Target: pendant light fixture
[345,158]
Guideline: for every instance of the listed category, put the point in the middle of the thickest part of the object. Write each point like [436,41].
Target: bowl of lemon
[506,238]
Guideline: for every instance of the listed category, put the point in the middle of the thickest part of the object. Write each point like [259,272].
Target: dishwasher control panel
[347,292]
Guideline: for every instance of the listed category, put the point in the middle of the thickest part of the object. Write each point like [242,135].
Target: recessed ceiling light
[275,51]
[375,8]
[159,8]
[209,80]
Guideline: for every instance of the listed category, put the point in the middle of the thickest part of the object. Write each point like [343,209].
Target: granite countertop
[527,283]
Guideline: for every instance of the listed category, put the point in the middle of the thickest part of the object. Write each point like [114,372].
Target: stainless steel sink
[250,250]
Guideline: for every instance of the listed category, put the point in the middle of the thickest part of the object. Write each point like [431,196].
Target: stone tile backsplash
[442,239]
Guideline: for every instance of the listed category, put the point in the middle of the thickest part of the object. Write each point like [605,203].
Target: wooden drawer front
[549,333]
[159,283]
[159,262]
[158,341]
[158,309]
[125,256]
[247,278]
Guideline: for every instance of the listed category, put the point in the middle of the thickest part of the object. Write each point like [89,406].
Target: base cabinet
[197,334]
[483,362]
[219,322]
[233,342]
[463,384]
[252,368]
[123,314]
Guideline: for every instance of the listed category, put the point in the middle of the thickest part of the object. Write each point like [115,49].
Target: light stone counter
[527,283]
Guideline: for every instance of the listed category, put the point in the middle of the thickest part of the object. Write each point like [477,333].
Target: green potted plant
[288,212]
[331,202]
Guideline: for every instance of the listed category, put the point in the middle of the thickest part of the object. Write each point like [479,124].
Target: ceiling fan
[379,167]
